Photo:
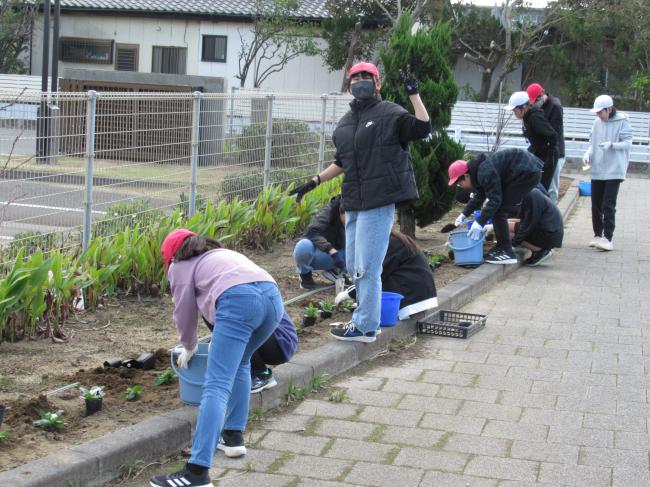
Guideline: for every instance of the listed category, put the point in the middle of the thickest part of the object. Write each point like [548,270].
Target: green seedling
[92,394]
[50,420]
[311,311]
[165,378]
[3,436]
[436,259]
[347,306]
[318,380]
[327,306]
[133,393]
[299,329]
[339,395]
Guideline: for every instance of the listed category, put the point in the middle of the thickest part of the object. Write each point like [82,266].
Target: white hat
[602,102]
[517,99]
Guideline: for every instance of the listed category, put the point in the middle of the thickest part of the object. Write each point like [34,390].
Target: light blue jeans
[308,258]
[366,241]
[554,189]
[246,316]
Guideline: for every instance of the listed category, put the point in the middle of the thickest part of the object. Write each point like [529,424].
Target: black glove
[302,190]
[339,262]
[410,82]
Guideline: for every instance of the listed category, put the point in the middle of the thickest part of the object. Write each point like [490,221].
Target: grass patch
[279,462]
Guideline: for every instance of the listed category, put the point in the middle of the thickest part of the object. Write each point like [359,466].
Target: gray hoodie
[610,163]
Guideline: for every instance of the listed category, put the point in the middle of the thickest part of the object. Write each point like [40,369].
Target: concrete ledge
[99,461]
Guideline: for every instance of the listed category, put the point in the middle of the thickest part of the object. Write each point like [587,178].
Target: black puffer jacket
[372,148]
[489,175]
[538,213]
[325,229]
[555,115]
[540,134]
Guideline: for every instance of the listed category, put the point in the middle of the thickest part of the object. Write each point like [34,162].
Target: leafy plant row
[39,291]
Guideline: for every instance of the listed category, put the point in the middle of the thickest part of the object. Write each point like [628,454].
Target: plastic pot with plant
[326,309]
[311,313]
[93,398]
[133,393]
[50,421]
[347,306]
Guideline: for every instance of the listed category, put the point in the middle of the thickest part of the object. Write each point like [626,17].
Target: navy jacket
[325,229]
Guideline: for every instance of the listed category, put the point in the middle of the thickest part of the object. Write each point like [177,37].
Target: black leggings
[269,353]
[603,206]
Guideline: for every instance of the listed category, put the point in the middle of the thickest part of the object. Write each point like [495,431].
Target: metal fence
[76,165]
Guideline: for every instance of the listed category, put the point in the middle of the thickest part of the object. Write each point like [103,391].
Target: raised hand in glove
[185,355]
[411,84]
[338,259]
[460,220]
[302,190]
[476,231]
[605,145]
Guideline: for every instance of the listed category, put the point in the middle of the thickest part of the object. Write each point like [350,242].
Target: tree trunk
[486,81]
[406,223]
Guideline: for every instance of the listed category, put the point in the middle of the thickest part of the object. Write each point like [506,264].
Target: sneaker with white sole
[232,443]
[262,381]
[605,244]
[349,332]
[501,257]
[182,478]
[594,241]
[539,257]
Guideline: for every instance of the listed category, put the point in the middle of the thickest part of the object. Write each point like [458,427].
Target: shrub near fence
[37,295]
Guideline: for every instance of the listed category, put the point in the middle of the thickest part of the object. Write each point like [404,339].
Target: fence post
[232,109]
[321,147]
[91,108]
[196,119]
[269,140]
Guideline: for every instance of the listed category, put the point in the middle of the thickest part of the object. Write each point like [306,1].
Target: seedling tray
[447,324]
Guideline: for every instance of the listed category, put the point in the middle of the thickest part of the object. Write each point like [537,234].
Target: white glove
[460,220]
[605,145]
[185,355]
[344,295]
[476,231]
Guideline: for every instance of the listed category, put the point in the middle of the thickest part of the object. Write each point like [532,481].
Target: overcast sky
[491,3]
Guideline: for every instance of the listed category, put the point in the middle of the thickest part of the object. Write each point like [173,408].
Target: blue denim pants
[367,234]
[308,258]
[246,316]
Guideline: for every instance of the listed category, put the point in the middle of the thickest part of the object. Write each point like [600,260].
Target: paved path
[553,392]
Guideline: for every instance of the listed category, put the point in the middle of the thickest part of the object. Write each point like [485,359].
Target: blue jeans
[308,258]
[246,316]
[366,241]
[554,190]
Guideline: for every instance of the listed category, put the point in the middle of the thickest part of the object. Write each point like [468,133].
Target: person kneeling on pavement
[323,245]
[405,270]
[540,227]
[501,180]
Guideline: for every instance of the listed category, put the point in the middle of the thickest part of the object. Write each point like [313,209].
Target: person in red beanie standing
[243,303]
[372,152]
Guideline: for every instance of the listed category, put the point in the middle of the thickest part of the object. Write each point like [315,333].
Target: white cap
[602,102]
[517,99]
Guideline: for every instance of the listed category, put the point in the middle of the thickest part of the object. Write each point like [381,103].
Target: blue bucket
[190,380]
[389,308]
[584,187]
[466,250]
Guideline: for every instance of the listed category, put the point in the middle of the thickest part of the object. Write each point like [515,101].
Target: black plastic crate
[447,324]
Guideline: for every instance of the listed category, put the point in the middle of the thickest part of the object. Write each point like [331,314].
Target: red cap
[534,91]
[456,170]
[173,242]
[363,67]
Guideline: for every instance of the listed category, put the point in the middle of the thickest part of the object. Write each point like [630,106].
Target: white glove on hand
[476,231]
[185,355]
[605,145]
[460,220]
[344,295]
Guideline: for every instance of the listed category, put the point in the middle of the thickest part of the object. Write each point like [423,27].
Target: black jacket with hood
[540,134]
[325,229]
[537,213]
[489,175]
[372,148]
[555,115]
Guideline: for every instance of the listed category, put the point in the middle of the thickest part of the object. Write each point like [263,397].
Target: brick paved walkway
[553,392]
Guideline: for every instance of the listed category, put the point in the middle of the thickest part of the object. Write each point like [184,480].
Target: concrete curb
[99,461]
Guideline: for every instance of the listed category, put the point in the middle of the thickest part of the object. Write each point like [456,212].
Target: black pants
[603,206]
[512,196]
[269,353]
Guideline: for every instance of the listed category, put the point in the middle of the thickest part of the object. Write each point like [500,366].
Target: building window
[214,49]
[77,50]
[170,60]
[126,57]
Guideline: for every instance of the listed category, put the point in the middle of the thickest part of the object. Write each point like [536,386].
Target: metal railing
[76,165]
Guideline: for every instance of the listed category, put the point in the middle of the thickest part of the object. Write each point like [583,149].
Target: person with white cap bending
[608,157]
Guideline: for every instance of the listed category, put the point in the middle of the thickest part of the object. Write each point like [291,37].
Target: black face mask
[363,90]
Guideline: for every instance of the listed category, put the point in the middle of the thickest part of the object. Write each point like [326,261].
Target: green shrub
[247,186]
[126,214]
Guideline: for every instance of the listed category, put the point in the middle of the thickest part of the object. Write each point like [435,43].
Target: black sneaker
[501,257]
[262,381]
[538,257]
[183,478]
[232,443]
[349,332]
[307,281]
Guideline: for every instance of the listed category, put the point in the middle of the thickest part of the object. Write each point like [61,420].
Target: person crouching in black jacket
[539,132]
[539,228]
[323,245]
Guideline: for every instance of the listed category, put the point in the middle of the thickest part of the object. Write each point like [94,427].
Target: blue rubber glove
[476,231]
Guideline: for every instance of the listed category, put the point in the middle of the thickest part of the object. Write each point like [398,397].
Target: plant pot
[308,321]
[93,406]
[2,413]
[325,314]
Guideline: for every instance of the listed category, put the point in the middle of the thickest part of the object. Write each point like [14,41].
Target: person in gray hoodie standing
[607,157]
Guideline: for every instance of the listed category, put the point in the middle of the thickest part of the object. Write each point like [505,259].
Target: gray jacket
[610,163]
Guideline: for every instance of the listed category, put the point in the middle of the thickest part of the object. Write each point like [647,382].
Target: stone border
[99,461]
